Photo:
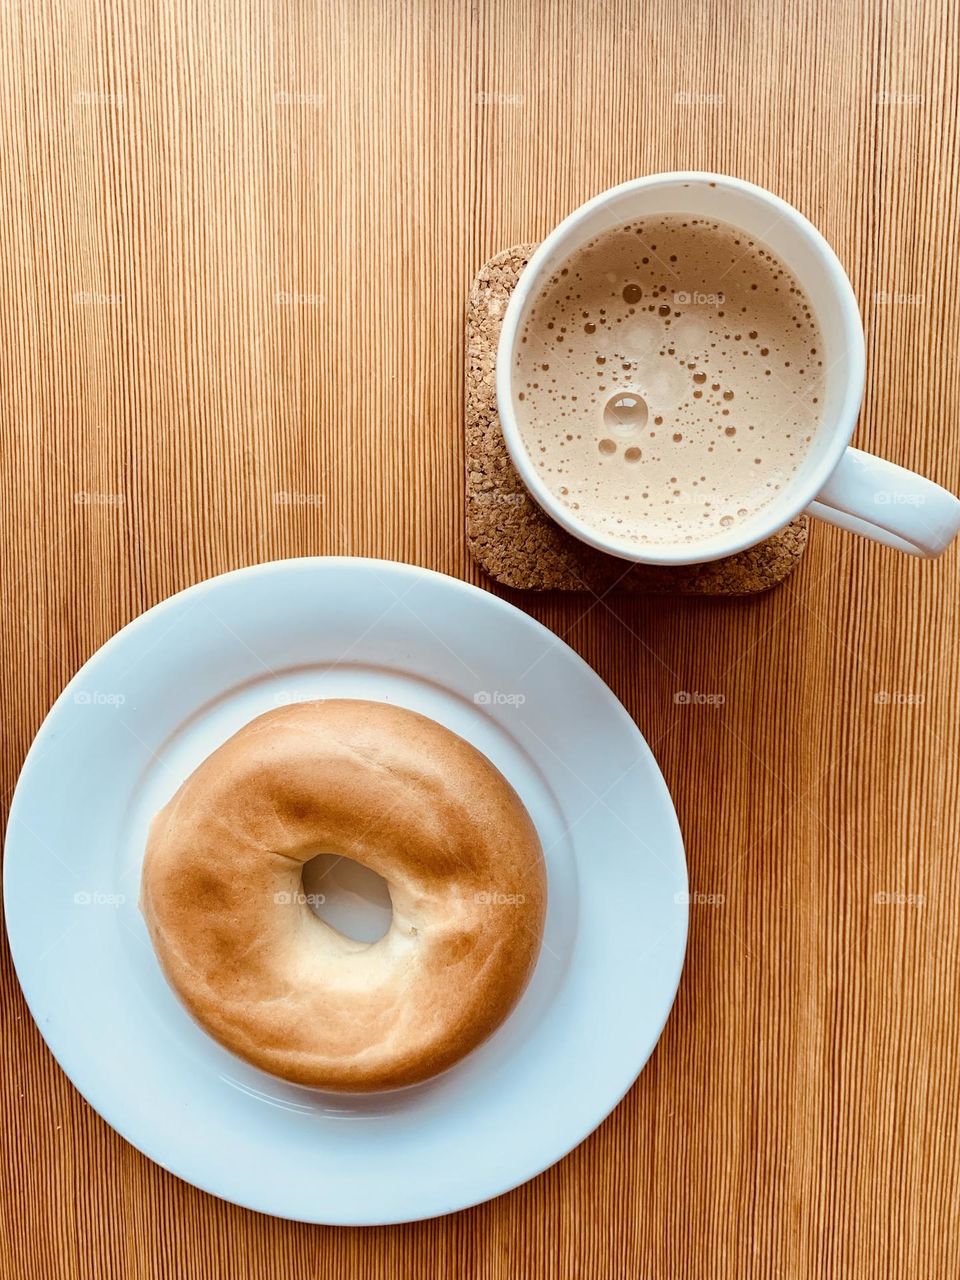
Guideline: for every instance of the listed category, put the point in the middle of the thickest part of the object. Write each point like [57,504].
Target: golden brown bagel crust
[221,893]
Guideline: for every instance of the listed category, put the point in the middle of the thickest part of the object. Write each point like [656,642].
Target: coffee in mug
[669,379]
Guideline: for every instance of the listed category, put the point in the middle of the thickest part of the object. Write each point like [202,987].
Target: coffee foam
[669,380]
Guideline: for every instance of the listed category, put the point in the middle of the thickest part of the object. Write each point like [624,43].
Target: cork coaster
[517,543]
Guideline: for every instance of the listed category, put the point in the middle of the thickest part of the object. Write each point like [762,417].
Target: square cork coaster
[517,543]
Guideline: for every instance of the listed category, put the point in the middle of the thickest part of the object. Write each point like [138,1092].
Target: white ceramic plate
[167,690]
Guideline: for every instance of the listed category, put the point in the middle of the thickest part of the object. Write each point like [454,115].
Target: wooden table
[237,240]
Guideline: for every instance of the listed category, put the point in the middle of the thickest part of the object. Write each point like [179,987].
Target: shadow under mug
[835,482]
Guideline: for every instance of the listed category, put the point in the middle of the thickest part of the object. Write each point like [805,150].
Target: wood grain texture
[237,241]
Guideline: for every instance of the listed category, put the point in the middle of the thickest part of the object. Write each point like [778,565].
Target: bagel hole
[348,896]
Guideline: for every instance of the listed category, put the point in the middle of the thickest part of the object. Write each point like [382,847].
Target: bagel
[221,894]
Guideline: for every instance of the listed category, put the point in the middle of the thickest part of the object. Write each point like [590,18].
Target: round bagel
[221,893]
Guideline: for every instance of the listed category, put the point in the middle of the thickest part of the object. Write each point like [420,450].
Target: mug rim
[840,430]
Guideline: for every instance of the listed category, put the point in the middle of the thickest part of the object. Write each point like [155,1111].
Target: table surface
[237,245]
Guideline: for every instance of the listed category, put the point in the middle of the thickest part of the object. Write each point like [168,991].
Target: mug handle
[889,504]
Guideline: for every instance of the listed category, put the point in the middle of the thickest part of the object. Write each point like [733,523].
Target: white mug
[836,483]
